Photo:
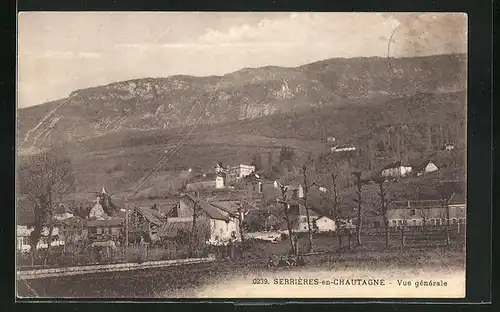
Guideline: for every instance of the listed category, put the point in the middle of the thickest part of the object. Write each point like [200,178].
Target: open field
[190,280]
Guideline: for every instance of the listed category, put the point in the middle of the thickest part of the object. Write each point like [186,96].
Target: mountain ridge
[246,94]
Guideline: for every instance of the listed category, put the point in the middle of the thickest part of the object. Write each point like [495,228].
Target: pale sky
[59,52]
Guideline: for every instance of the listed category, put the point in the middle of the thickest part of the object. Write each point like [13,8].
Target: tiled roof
[212,211]
[416,204]
[228,206]
[172,227]
[151,215]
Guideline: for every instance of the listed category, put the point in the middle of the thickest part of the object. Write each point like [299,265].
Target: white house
[325,224]
[237,172]
[396,170]
[424,167]
[318,220]
[215,224]
[23,238]
[343,148]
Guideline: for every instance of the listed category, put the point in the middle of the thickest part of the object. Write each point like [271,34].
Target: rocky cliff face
[178,101]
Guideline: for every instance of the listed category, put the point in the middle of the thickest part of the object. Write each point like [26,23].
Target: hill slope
[163,103]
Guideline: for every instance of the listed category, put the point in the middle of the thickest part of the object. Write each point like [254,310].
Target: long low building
[428,212]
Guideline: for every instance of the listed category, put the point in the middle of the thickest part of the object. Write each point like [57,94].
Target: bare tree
[383,207]
[358,200]
[284,189]
[328,165]
[305,171]
[46,178]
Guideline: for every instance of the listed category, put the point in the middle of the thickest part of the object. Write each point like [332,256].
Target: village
[224,208]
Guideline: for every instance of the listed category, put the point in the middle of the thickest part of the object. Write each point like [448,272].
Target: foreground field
[194,280]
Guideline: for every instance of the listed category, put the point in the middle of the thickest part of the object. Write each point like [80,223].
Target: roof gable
[151,215]
[212,211]
[457,199]
[228,206]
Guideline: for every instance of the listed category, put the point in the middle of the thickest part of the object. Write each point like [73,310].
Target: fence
[60,256]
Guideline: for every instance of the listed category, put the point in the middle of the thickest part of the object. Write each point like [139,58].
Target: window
[454,221]
[438,221]
[404,222]
[412,212]
[305,227]
[394,222]
[414,222]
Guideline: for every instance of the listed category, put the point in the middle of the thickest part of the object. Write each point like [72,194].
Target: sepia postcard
[241,155]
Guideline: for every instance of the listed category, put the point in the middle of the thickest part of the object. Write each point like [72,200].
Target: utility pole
[193,229]
[306,191]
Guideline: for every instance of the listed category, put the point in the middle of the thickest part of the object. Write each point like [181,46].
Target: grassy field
[186,280]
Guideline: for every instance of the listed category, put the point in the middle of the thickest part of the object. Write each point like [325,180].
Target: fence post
[402,238]
[447,237]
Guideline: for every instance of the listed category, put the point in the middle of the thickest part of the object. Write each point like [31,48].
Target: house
[420,168]
[175,228]
[253,184]
[105,229]
[145,222]
[220,226]
[417,213]
[72,227]
[457,209]
[23,234]
[319,213]
[205,181]
[23,238]
[320,220]
[235,173]
[325,224]
[396,170]
[343,148]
